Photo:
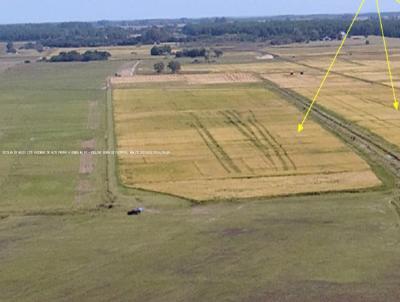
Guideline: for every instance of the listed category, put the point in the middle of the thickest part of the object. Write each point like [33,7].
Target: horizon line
[194,18]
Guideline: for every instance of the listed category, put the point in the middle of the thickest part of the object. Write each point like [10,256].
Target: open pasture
[52,107]
[227,141]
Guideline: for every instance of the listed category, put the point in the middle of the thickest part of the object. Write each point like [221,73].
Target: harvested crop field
[191,79]
[227,142]
[358,89]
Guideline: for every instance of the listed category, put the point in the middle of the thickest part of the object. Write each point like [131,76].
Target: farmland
[231,140]
[361,69]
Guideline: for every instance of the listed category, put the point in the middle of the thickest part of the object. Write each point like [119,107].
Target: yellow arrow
[300,127]
[395,102]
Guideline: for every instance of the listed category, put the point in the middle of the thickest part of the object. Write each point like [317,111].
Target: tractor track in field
[247,132]
[378,150]
[223,158]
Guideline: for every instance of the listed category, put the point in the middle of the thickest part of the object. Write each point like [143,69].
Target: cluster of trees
[10,48]
[174,66]
[158,35]
[30,45]
[199,52]
[191,53]
[74,56]
[161,50]
[188,53]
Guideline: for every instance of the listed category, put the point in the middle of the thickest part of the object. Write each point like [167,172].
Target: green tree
[174,66]
[207,56]
[218,53]
[160,50]
[159,67]
[39,47]
[10,48]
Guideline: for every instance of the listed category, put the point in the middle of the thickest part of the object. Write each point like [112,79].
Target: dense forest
[283,31]
[81,34]
[276,30]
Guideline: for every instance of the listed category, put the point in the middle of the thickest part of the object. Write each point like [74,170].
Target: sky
[26,11]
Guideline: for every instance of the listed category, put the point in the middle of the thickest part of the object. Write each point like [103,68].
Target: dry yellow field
[358,89]
[189,79]
[227,141]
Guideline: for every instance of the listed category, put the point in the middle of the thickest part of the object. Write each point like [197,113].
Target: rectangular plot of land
[228,142]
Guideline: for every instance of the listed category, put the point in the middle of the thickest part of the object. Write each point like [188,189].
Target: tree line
[162,50]
[94,34]
[86,34]
[74,56]
[284,31]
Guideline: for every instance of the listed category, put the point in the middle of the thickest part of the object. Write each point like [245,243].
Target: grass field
[46,107]
[58,244]
[340,247]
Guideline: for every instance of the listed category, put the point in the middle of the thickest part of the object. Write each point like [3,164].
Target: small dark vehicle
[135,212]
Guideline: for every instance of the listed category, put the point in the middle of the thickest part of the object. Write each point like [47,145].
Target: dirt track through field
[223,158]
[94,117]
[86,168]
[86,161]
[129,69]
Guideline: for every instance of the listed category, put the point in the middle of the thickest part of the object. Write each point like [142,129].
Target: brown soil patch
[86,165]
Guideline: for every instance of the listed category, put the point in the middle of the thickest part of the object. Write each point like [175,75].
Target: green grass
[308,248]
[332,247]
[45,107]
